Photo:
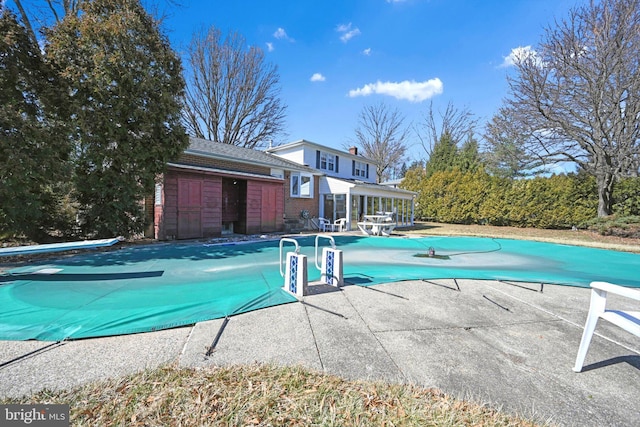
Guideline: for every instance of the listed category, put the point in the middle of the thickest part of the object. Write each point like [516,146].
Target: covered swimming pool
[160,286]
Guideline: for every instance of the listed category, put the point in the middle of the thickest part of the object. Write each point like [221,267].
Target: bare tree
[458,124]
[232,93]
[57,8]
[577,97]
[382,136]
[505,149]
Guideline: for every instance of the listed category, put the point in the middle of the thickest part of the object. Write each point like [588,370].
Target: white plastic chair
[627,320]
[323,224]
[339,224]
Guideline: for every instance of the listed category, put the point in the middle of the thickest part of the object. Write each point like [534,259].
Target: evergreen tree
[506,153]
[416,164]
[34,151]
[403,170]
[443,156]
[468,158]
[125,108]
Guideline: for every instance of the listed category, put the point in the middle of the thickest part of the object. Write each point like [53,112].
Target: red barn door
[189,208]
[269,209]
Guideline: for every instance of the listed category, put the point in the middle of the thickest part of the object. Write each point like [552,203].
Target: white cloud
[270,47]
[281,34]
[317,77]
[367,51]
[519,54]
[410,90]
[347,32]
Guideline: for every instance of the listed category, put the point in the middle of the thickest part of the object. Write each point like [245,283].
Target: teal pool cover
[160,286]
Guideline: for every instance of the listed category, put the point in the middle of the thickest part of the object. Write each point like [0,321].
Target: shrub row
[559,201]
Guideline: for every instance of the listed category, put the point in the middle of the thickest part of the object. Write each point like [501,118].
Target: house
[214,189]
[395,183]
[347,186]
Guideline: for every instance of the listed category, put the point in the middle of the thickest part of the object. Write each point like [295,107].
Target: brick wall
[294,205]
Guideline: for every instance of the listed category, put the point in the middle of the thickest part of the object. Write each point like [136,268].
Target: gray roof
[218,150]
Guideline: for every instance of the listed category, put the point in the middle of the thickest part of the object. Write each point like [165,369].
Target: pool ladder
[293,266]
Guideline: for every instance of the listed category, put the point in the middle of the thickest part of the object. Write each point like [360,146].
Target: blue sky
[403,53]
[336,57]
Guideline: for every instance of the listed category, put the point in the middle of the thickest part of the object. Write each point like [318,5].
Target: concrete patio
[506,345]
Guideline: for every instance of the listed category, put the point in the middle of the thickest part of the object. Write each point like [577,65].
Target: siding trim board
[225,173]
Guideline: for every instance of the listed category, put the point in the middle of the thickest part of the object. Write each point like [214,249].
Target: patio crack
[313,334]
[466,328]
[404,376]
[564,319]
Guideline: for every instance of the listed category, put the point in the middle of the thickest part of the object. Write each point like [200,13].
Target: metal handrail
[285,239]
[333,246]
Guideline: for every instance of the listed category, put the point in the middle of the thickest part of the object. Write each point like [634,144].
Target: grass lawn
[578,237]
[259,395]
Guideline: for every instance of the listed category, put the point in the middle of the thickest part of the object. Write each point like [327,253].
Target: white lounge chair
[627,320]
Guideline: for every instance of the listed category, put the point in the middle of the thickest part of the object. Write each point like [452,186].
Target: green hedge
[626,197]
[559,201]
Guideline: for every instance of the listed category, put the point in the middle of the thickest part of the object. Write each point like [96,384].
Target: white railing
[282,261]
[333,246]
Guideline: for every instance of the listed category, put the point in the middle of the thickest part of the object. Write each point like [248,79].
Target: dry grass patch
[260,395]
[578,237]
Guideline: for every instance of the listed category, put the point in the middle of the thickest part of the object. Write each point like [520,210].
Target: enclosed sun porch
[353,200]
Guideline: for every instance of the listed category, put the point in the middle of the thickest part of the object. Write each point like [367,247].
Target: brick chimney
[353,150]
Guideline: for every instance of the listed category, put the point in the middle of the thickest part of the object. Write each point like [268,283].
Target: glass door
[328,207]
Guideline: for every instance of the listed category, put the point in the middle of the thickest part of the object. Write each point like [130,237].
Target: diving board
[57,247]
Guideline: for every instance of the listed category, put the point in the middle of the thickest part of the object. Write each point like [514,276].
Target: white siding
[294,154]
[309,156]
[345,164]
[306,154]
[334,186]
